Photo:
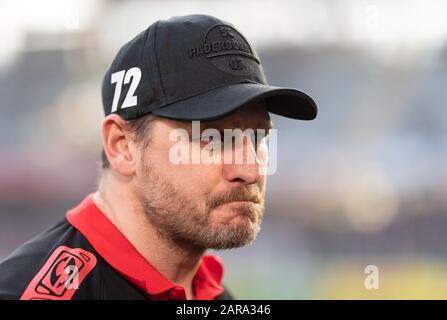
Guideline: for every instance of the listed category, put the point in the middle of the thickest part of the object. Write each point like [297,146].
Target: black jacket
[61,263]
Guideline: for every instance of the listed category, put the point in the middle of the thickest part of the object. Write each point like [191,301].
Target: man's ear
[118,146]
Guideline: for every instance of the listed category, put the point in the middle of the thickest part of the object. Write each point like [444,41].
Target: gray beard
[185,225]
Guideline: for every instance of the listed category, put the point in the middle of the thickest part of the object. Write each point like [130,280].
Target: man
[144,233]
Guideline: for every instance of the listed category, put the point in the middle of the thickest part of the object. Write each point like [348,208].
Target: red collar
[114,247]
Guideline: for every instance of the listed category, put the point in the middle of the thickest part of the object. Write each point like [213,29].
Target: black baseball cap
[194,67]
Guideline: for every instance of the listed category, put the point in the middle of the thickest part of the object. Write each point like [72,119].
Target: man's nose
[247,170]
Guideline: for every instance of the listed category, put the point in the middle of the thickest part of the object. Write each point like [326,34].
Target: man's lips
[239,208]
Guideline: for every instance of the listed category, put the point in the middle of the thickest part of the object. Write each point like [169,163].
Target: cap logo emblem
[227,49]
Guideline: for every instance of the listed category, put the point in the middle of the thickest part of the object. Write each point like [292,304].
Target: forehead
[253,116]
[250,116]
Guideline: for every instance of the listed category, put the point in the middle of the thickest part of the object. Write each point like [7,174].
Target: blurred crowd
[364,183]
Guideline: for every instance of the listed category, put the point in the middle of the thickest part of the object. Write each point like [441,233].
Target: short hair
[140,128]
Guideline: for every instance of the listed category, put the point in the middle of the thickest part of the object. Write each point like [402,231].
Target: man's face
[201,206]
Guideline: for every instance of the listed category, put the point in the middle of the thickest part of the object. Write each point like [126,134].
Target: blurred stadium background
[363,184]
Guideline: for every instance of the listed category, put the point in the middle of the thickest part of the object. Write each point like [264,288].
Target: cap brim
[218,102]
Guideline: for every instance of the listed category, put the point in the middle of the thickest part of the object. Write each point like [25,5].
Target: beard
[187,223]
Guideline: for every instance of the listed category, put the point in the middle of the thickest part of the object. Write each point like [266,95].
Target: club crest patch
[61,275]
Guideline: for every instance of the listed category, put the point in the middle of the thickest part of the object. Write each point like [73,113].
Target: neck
[117,202]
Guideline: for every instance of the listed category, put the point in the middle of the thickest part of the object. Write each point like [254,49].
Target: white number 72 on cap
[125,76]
